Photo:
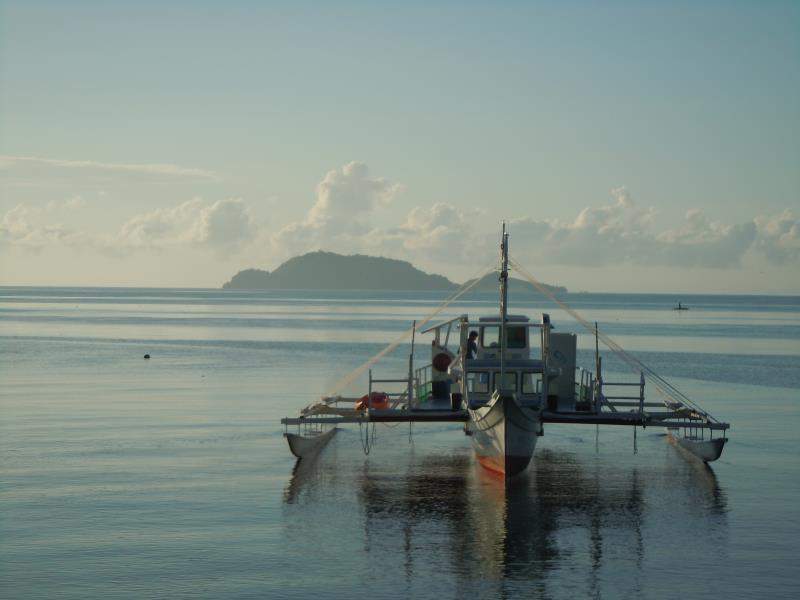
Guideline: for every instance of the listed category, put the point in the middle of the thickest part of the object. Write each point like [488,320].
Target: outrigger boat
[304,446]
[505,379]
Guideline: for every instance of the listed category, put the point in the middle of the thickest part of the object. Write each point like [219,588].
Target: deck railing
[396,397]
[423,383]
[584,389]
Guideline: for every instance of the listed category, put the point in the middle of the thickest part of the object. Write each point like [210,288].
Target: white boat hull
[305,446]
[705,450]
[504,435]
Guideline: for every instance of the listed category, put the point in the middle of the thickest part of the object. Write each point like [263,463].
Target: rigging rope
[343,383]
[661,384]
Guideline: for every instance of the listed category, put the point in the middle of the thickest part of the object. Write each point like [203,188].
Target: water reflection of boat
[309,475]
[522,529]
[573,513]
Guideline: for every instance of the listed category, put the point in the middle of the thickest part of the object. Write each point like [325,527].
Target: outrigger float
[504,379]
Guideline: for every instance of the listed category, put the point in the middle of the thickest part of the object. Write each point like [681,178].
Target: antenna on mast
[503,301]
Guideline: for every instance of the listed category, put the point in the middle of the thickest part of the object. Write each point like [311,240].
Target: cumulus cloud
[349,201]
[597,235]
[29,170]
[74,203]
[702,243]
[22,226]
[779,237]
[222,224]
[621,233]
[345,204]
[616,233]
[441,233]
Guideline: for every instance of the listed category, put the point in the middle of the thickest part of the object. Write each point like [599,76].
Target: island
[330,271]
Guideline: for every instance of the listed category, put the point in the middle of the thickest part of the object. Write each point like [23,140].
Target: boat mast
[503,302]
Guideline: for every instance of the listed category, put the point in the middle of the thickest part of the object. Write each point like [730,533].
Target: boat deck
[385,416]
[670,419]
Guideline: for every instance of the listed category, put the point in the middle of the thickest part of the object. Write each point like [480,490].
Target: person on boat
[472,345]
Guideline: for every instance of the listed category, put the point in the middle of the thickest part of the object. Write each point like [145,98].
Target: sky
[629,146]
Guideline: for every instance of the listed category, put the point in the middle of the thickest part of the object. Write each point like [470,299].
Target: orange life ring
[380,401]
[441,361]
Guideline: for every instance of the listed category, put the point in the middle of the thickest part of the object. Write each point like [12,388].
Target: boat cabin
[529,355]
[528,358]
[488,340]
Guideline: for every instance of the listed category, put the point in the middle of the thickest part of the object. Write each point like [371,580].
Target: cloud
[28,171]
[74,203]
[702,243]
[442,238]
[431,236]
[346,201]
[596,236]
[20,226]
[779,238]
[347,204]
[161,226]
[443,235]
[223,224]
[621,233]
[346,197]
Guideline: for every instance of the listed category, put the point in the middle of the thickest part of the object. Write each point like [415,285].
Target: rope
[661,384]
[367,440]
[358,371]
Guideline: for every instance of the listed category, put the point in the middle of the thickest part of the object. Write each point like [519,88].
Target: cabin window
[508,382]
[531,383]
[478,382]
[490,337]
[515,337]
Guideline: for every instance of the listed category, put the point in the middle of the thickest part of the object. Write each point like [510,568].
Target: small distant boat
[680,307]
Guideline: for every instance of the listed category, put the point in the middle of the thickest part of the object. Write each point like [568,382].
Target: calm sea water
[126,478]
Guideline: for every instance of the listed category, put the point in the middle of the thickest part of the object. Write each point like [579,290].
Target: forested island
[331,271]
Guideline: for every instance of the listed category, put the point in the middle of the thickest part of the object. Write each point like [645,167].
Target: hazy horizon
[629,147]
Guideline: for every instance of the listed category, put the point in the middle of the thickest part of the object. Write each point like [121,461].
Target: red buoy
[380,401]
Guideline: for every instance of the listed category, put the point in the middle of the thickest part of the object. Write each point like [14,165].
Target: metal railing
[423,383]
[396,398]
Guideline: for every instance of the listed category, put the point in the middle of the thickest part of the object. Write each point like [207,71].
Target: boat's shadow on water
[572,512]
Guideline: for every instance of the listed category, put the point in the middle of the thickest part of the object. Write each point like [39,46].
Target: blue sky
[630,146]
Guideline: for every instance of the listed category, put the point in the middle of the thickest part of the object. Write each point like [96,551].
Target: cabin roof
[509,319]
[514,364]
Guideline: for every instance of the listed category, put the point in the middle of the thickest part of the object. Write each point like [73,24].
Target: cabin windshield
[490,336]
[516,337]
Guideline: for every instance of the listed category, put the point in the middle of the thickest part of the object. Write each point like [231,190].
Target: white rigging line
[661,384]
[345,381]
